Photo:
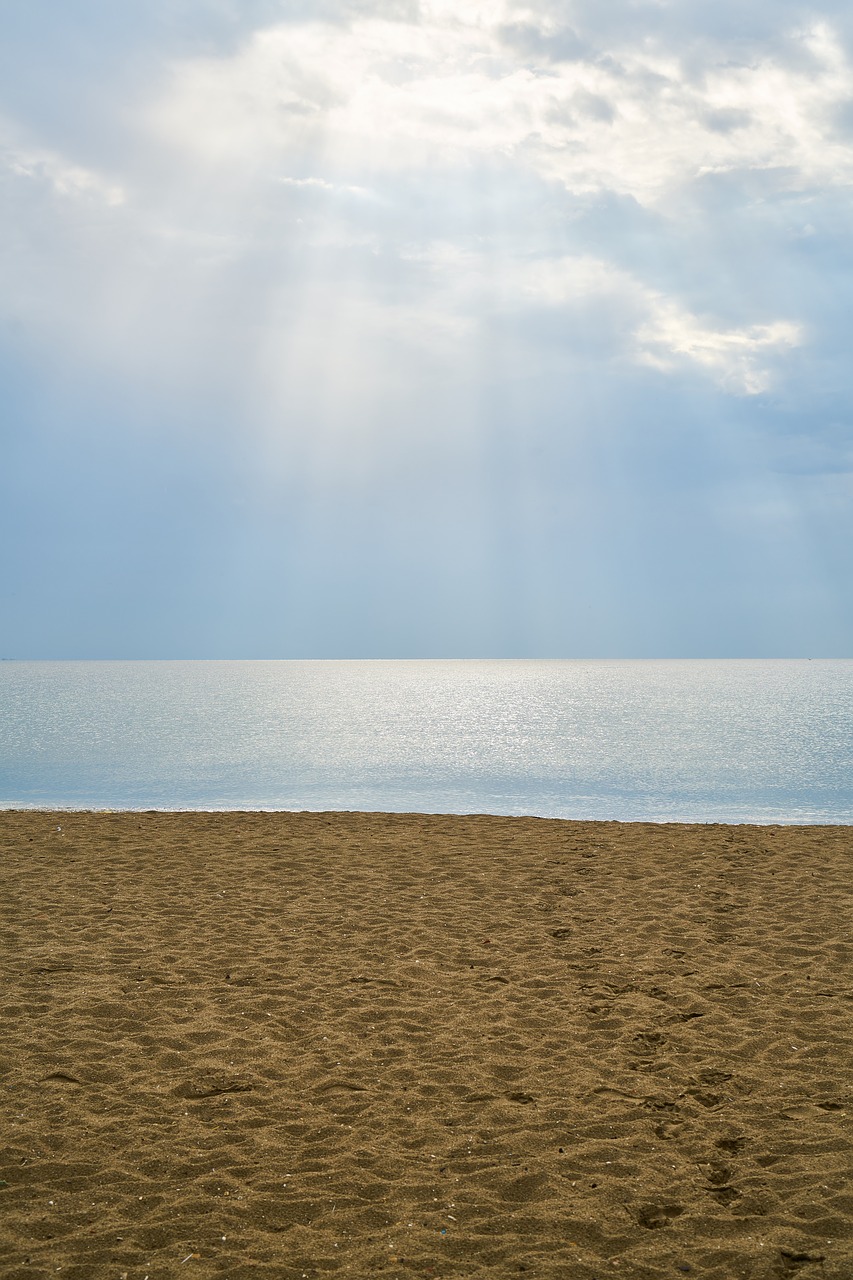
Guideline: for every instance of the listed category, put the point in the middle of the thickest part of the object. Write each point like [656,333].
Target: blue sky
[425,330]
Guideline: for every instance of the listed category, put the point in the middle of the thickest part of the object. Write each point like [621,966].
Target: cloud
[548,41]
[441,117]
[540,269]
[736,358]
[642,121]
[65,178]
[422,177]
[605,312]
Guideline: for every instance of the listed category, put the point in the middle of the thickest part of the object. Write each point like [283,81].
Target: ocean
[685,741]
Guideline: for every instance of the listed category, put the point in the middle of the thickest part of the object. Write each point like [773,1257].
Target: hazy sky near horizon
[417,329]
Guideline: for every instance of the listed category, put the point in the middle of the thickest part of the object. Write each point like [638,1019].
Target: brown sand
[278,1045]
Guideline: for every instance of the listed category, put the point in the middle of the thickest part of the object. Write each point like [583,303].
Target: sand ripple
[277,1045]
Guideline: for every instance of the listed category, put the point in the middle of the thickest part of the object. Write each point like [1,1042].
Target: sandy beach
[297,1045]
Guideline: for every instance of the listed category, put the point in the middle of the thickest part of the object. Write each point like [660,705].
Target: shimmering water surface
[717,741]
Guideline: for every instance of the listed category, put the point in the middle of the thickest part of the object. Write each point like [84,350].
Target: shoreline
[17,808]
[285,1044]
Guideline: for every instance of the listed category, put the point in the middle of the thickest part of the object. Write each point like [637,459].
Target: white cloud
[436,274]
[383,95]
[646,326]
[320,184]
[66,179]
[386,184]
[738,359]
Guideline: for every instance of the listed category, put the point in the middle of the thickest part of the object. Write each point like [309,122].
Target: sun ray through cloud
[547,295]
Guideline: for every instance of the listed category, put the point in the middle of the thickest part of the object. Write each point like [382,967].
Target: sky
[405,328]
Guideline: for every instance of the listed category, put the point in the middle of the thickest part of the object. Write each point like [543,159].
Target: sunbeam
[512,334]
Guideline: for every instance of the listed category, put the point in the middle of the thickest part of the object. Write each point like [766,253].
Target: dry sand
[252,1045]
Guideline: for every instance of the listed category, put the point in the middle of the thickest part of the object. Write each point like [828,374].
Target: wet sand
[278,1045]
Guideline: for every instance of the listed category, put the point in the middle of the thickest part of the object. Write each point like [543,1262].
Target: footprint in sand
[733,1145]
[724,1195]
[654,1216]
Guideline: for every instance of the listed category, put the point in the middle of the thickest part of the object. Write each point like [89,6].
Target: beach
[298,1045]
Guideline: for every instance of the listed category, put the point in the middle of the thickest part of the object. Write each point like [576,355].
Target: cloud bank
[512,328]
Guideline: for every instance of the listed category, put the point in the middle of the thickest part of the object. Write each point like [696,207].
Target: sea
[662,741]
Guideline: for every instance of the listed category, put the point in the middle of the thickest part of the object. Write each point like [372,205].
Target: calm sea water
[719,741]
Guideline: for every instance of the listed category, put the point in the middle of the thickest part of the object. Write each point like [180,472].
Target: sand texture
[280,1045]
